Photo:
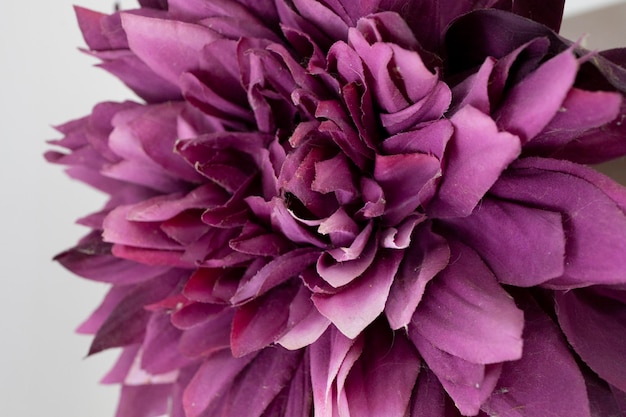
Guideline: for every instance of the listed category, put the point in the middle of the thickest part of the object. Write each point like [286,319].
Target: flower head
[354,209]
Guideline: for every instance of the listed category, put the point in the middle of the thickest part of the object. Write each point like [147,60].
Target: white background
[44,80]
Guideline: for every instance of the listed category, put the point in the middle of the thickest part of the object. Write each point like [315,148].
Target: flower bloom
[345,209]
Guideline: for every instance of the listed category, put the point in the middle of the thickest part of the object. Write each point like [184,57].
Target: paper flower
[340,208]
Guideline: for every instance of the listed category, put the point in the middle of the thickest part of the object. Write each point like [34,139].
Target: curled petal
[427,255]
[356,306]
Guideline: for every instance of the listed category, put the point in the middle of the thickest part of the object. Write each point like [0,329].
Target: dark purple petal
[160,346]
[381,381]
[535,384]
[92,259]
[126,324]
[429,398]
[580,112]
[469,40]
[548,13]
[209,337]
[595,324]
[300,401]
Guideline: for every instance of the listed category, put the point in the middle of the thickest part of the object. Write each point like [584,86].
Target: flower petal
[594,216]
[427,255]
[211,381]
[526,113]
[466,313]
[353,308]
[595,325]
[475,157]
[523,246]
[535,384]
[255,388]
[468,384]
[381,381]
[168,47]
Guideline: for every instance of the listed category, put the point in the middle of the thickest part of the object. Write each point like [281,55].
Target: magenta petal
[466,313]
[160,346]
[429,139]
[118,229]
[354,307]
[167,206]
[127,322]
[305,323]
[211,381]
[426,257]
[144,400]
[401,178]
[429,398]
[474,90]
[524,112]
[595,325]
[277,271]
[261,321]
[535,384]
[581,111]
[475,157]
[209,337]
[328,355]
[89,23]
[256,387]
[141,79]
[468,384]
[381,381]
[117,374]
[92,259]
[168,47]
[339,266]
[499,229]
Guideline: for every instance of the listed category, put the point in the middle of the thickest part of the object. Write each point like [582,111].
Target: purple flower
[354,209]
